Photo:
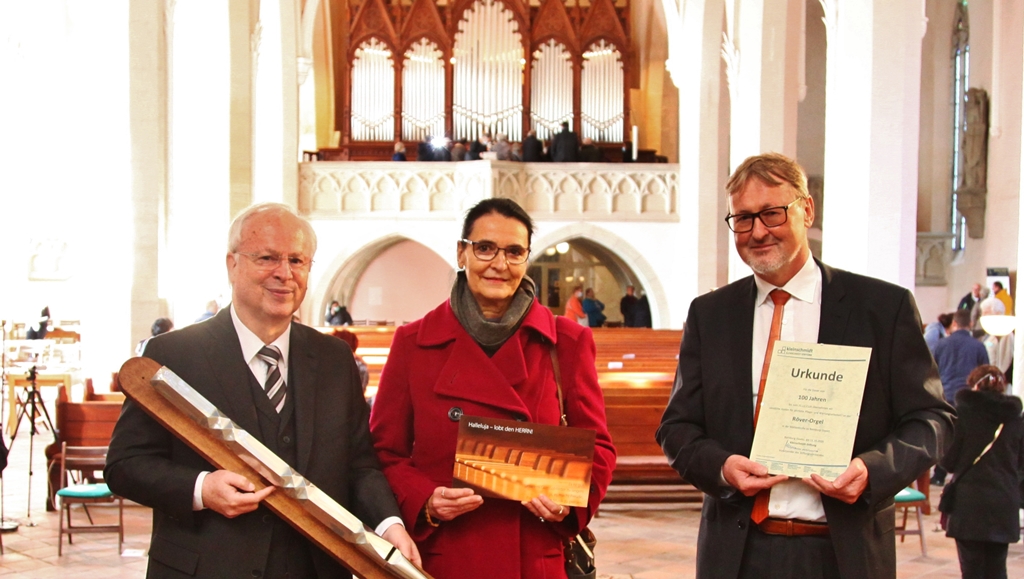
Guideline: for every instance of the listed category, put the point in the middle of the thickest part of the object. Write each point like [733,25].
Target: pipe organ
[468,66]
[373,72]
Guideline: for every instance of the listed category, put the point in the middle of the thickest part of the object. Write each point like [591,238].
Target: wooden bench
[634,403]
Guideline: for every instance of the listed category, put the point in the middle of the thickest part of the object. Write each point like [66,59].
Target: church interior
[907,117]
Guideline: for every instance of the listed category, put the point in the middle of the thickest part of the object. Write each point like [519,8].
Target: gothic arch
[623,250]
[347,268]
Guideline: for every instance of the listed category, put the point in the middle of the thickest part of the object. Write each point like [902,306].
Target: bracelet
[430,521]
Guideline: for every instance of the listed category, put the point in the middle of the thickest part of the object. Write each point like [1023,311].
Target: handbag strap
[988,447]
[558,384]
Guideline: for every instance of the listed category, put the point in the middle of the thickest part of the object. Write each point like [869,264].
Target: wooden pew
[634,403]
[87,423]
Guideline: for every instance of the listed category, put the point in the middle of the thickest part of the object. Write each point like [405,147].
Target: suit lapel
[742,319]
[302,382]
[835,310]
[230,370]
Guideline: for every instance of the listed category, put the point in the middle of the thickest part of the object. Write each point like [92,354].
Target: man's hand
[399,537]
[847,487]
[231,494]
[445,503]
[747,476]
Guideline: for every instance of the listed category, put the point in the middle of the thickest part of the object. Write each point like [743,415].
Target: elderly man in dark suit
[810,528]
[294,389]
[565,146]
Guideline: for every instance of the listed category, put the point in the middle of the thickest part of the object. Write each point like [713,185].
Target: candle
[636,137]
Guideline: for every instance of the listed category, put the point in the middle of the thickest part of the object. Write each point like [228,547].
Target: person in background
[424,151]
[39,332]
[399,151]
[984,516]
[501,148]
[459,150]
[533,149]
[480,145]
[627,305]
[574,307]
[589,153]
[974,296]
[1004,296]
[999,348]
[937,330]
[594,309]
[956,355]
[337,315]
[487,352]
[352,340]
[565,146]
[212,307]
[642,312]
[976,309]
[160,326]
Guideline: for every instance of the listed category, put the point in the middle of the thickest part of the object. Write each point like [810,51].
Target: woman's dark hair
[501,206]
[947,319]
[987,378]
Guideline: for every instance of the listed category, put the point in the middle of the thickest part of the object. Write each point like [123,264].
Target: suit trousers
[778,557]
[982,559]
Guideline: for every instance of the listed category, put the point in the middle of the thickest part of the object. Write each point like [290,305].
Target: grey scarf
[490,334]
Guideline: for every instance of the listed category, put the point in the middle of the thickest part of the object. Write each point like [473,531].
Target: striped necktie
[274,386]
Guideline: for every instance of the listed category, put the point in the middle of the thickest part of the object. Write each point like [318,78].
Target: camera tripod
[30,407]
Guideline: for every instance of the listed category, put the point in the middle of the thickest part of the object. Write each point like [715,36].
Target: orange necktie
[779,298]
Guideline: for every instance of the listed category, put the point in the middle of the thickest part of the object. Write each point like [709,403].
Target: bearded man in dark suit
[293,388]
[812,528]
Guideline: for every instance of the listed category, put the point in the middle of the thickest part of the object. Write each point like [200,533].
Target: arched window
[961,76]
[373,93]
[422,92]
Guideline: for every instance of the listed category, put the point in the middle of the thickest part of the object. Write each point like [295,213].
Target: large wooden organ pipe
[373,89]
[601,90]
[551,89]
[487,74]
[423,92]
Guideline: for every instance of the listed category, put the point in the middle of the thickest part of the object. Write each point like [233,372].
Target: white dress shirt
[791,499]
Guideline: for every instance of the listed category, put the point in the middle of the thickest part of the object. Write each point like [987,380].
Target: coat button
[287,439]
[454,413]
[257,573]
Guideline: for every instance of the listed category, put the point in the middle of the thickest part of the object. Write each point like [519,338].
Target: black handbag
[579,550]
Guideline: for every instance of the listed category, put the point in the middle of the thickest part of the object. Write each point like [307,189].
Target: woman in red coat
[486,352]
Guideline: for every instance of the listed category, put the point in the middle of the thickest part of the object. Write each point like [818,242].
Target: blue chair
[906,499]
[85,459]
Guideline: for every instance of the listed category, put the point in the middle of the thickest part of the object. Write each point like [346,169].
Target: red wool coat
[435,367]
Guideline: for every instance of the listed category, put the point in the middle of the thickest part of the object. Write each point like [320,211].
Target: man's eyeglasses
[771,217]
[271,261]
[488,250]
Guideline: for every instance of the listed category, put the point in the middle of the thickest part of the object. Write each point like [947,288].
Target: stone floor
[634,541]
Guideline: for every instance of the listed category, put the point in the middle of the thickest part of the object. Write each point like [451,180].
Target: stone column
[199,183]
[872,118]
[276,100]
[763,102]
[147,60]
[695,53]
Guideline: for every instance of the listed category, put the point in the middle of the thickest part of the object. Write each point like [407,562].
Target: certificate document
[810,410]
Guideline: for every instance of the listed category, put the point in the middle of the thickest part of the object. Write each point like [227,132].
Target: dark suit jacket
[904,425]
[533,149]
[565,147]
[149,465]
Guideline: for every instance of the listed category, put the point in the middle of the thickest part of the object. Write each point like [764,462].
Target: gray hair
[235,231]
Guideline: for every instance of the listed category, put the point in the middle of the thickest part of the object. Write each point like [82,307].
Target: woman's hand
[546,509]
[445,503]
